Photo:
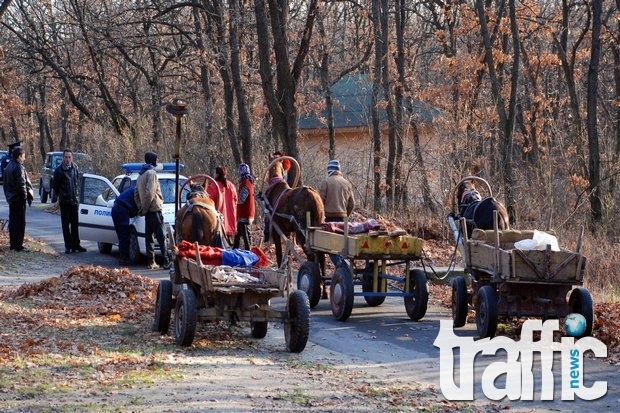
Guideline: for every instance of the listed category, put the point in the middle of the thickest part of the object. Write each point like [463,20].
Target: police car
[97,197]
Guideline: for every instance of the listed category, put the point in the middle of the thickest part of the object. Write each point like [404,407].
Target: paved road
[384,336]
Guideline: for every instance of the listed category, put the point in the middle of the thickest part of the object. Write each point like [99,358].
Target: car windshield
[166,184]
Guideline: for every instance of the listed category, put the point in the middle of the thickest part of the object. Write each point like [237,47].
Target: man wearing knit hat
[337,195]
[150,202]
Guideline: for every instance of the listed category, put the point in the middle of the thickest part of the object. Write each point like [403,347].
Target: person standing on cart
[123,210]
[246,207]
[150,202]
[337,195]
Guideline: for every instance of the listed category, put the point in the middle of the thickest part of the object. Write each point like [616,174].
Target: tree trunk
[593,144]
[506,119]
[245,126]
[376,129]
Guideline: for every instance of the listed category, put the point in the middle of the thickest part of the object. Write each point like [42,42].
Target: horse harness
[272,209]
[220,218]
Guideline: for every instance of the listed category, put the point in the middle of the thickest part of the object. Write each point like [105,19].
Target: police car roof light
[161,167]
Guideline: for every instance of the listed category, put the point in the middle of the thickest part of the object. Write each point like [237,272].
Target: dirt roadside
[66,346]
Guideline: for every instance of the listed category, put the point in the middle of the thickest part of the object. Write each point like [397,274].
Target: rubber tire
[309,281]
[486,312]
[297,326]
[185,317]
[259,329]
[416,306]
[341,293]
[580,301]
[459,301]
[372,301]
[135,256]
[163,307]
[104,248]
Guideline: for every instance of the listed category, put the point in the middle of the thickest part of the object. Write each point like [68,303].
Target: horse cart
[210,293]
[513,272]
[368,260]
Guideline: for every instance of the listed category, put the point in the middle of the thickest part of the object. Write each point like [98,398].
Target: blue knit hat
[333,165]
[244,169]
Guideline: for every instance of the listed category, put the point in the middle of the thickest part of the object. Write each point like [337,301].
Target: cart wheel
[104,247]
[341,293]
[163,307]
[417,304]
[372,301]
[580,301]
[259,329]
[459,301]
[185,317]
[297,326]
[309,281]
[486,312]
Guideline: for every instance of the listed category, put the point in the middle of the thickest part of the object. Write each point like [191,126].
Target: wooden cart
[508,281]
[366,260]
[199,292]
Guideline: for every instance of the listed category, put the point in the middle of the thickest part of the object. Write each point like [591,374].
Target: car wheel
[135,256]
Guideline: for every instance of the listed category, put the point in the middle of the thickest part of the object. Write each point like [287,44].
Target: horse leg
[276,241]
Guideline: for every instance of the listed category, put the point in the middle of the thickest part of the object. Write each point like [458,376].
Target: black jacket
[17,186]
[65,184]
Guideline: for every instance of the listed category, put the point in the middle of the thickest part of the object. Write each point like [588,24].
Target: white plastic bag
[538,242]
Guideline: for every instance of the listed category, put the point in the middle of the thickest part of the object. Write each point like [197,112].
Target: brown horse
[287,209]
[198,220]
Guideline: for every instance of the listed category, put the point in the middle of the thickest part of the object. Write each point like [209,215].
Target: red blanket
[208,255]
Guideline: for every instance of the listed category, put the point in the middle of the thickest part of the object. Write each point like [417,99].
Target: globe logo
[574,324]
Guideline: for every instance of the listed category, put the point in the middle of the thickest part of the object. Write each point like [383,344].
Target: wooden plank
[525,266]
[364,244]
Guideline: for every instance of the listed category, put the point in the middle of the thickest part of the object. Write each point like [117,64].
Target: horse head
[479,212]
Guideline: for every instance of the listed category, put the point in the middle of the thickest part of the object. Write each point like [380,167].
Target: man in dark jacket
[65,182]
[18,191]
[123,210]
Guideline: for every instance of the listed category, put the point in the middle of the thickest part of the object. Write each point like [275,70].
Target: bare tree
[280,84]
[593,140]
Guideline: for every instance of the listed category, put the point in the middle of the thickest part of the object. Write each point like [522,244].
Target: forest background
[527,91]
